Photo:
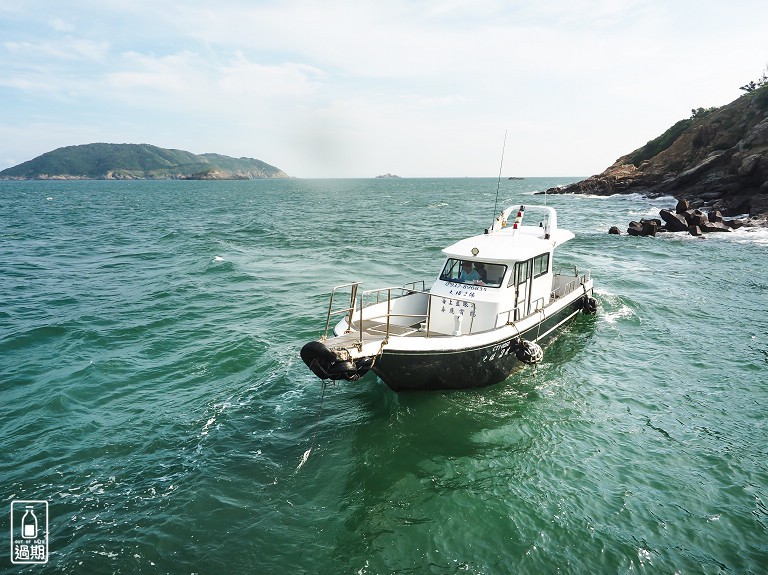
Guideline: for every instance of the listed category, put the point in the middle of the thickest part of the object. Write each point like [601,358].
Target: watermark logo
[29,532]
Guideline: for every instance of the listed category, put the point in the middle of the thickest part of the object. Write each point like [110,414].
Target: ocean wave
[750,235]
[614,308]
[156,396]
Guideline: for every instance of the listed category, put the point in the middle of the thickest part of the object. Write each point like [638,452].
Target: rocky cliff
[717,159]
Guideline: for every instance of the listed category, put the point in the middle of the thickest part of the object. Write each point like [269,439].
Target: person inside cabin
[480,267]
[469,274]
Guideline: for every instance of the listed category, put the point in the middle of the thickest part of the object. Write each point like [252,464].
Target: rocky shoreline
[684,219]
[717,160]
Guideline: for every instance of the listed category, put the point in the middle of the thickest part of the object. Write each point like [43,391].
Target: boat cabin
[497,277]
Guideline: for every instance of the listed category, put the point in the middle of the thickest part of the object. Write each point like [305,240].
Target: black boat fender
[529,352]
[329,364]
[318,358]
[589,305]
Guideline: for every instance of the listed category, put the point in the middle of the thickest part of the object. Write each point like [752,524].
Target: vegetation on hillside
[126,161]
[756,84]
[661,143]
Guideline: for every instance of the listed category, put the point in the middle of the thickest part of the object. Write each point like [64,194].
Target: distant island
[137,162]
[387,175]
[717,160]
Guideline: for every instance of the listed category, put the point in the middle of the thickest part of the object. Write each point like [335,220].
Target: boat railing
[386,318]
[411,286]
[360,320]
[354,305]
[571,285]
[349,310]
[420,321]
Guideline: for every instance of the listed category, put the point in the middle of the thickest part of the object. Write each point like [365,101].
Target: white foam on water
[749,235]
[218,409]
[207,426]
[304,458]
[612,308]
[614,316]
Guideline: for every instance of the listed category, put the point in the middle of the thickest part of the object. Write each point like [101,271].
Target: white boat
[495,303]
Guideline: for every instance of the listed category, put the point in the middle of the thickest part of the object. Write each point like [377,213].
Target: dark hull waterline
[466,368]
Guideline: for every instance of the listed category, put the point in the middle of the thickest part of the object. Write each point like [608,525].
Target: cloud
[426,87]
[187,80]
[72,49]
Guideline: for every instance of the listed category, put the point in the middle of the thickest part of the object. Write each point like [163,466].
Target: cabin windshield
[471,272]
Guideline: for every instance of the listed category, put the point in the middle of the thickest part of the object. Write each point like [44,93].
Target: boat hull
[465,368]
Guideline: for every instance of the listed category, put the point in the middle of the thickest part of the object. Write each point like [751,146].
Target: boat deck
[377,330]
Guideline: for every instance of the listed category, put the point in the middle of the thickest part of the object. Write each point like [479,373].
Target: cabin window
[476,273]
[540,265]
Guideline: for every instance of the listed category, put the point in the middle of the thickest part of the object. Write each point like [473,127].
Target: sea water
[152,393]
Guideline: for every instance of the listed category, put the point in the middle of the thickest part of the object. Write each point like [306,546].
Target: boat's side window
[540,265]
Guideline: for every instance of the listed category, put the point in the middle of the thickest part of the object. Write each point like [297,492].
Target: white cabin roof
[505,244]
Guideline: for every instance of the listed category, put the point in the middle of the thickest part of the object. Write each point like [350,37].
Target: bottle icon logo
[29,523]
[29,532]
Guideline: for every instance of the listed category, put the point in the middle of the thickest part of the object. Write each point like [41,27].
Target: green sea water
[151,389]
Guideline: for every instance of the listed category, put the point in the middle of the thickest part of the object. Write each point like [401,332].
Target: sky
[417,88]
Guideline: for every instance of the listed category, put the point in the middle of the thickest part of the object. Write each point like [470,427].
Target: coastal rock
[714,227]
[650,227]
[635,229]
[748,165]
[614,231]
[696,218]
[695,222]
[643,228]
[674,222]
[717,160]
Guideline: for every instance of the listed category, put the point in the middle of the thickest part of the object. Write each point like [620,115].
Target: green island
[102,161]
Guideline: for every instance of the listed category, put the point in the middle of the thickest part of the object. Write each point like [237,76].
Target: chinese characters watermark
[29,531]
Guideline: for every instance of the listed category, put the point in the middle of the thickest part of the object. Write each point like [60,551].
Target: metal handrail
[573,269]
[571,285]
[389,315]
[348,310]
[391,293]
[413,289]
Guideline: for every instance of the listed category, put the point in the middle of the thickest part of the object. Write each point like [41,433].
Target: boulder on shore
[683,219]
[675,222]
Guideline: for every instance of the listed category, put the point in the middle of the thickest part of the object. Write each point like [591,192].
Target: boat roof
[504,242]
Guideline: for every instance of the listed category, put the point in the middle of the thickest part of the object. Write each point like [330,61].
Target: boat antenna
[498,183]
